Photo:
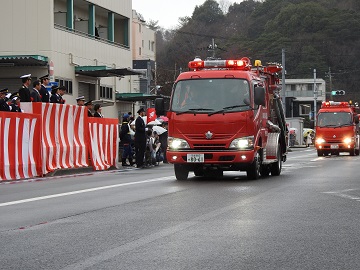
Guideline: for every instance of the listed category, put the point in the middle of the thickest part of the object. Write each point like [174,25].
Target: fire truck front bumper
[335,146]
[218,158]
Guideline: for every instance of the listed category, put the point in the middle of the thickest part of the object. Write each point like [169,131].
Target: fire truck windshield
[334,119]
[211,95]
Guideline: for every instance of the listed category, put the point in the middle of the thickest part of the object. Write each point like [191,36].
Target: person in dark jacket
[62,91]
[125,139]
[97,109]
[55,98]
[4,107]
[35,92]
[24,91]
[89,106]
[45,95]
[140,138]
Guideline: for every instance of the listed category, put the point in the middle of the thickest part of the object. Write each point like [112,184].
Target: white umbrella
[154,122]
[159,130]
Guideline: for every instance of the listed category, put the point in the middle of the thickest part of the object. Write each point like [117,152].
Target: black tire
[357,152]
[320,153]
[253,173]
[276,167]
[264,170]
[352,152]
[218,174]
[199,172]
[181,173]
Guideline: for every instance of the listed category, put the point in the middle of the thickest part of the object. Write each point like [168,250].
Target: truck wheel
[277,166]
[199,172]
[264,170]
[253,172]
[352,152]
[181,173]
[357,152]
[320,153]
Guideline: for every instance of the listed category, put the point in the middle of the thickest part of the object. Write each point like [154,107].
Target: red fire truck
[337,129]
[226,115]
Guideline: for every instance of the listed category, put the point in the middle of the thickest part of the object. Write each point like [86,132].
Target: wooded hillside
[321,34]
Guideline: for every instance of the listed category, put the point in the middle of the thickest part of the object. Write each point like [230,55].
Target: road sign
[51,71]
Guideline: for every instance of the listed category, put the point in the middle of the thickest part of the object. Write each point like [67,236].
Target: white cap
[25,76]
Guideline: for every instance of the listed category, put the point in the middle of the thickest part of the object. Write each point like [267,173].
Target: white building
[300,96]
[86,44]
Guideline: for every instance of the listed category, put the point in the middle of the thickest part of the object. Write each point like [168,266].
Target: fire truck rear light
[174,157]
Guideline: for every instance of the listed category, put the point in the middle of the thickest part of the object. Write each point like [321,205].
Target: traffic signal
[338,93]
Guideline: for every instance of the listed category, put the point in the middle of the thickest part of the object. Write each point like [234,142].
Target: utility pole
[283,86]
[315,98]
[148,81]
[330,82]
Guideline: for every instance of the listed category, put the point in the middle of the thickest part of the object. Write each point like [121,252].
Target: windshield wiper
[228,108]
[193,110]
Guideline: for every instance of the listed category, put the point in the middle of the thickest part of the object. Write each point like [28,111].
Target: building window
[142,43]
[149,45]
[310,87]
[305,109]
[139,28]
[293,87]
[66,83]
[152,46]
[106,92]
[139,50]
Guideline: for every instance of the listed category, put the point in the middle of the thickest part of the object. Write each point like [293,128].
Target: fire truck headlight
[242,143]
[347,140]
[175,143]
[320,141]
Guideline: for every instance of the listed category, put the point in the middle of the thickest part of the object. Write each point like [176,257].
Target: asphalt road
[306,218]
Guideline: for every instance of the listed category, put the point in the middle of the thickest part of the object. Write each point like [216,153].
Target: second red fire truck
[337,129]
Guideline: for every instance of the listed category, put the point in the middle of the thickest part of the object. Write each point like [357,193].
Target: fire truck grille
[215,136]
[208,147]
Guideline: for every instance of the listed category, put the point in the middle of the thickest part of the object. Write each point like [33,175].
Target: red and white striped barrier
[63,135]
[20,152]
[104,145]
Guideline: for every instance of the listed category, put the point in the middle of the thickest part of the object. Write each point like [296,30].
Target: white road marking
[342,194]
[85,191]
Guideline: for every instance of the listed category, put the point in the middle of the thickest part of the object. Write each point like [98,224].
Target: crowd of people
[142,146]
[39,93]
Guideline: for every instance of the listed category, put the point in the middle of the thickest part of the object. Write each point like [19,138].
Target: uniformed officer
[3,104]
[35,92]
[80,101]
[140,138]
[24,91]
[55,97]
[45,95]
[89,106]
[15,102]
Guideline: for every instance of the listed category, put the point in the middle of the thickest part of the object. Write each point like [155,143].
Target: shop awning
[103,71]
[132,97]
[23,60]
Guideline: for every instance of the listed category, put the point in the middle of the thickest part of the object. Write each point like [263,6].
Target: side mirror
[159,106]
[259,96]
[356,119]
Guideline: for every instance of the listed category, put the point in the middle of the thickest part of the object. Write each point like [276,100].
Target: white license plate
[195,158]
[334,146]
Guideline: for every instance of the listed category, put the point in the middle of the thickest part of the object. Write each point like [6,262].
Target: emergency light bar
[242,64]
[332,104]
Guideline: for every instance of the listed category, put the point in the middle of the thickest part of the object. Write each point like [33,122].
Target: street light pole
[315,98]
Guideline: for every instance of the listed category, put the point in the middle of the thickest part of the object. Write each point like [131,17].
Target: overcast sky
[167,12]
